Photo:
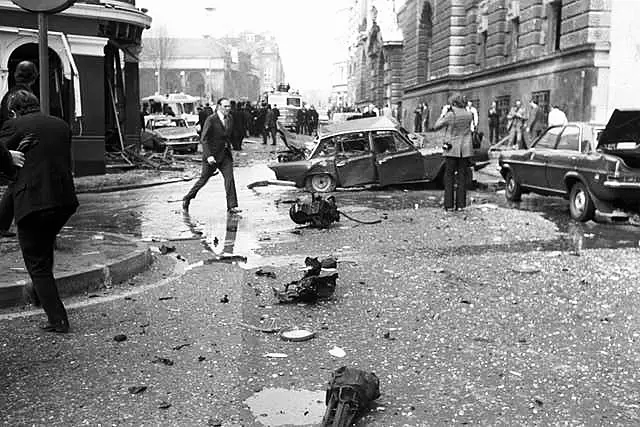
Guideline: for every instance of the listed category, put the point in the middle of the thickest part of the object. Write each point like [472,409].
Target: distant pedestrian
[203,114]
[426,115]
[457,150]
[474,114]
[276,111]
[494,123]
[25,77]
[44,197]
[556,117]
[217,155]
[270,126]
[417,120]
[239,131]
[535,121]
[517,119]
[300,121]
[314,119]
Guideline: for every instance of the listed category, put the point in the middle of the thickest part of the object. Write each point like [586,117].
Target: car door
[354,159]
[532,170]
[397,161]
[563,158]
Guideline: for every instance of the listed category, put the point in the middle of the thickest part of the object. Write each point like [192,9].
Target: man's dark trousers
[461,166]
[36,235]
[226,169]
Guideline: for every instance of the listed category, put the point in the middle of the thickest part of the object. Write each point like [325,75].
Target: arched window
[425,33]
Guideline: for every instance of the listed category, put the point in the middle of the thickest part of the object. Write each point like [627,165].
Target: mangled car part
[320,213]
[349,395]
[314,285]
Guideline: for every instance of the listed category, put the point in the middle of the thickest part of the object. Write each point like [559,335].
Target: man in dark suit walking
[44,196]
[216,147]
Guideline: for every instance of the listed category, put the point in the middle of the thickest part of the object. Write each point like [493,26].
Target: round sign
[44,6]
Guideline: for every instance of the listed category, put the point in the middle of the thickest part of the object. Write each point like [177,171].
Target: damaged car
[597,169]
[370,151]
[166,132]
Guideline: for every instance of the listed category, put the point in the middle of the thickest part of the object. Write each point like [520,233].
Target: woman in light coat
[457,151]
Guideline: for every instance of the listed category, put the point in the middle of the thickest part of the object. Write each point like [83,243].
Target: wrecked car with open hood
[595,168]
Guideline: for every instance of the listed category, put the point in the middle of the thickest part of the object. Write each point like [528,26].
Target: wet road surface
[157,213]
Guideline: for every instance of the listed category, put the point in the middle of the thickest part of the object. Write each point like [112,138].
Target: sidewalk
[84,261]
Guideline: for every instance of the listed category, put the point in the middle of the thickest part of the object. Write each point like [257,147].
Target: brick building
[579,54]
[93,62]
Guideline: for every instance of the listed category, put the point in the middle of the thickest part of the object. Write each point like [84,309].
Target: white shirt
[220,115]
[556,117]
[474,113]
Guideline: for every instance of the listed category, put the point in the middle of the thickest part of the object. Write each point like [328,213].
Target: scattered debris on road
[296,334]
[266,273]
[120,338]
[167,249]
[181,346]
[319,213]
[137,389]
[224,299]
[349,395]
[337,352]
[163,360]
[313,285]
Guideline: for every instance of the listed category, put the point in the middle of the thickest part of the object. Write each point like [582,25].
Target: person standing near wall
[536,125]
[417,120]
[494,123]
[517,119]
[457,150]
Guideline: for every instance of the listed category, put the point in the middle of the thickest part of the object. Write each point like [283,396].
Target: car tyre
[512,189]
[581,205]
[322,183]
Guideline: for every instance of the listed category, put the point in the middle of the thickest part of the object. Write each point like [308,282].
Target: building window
[425,34]
[542,99]
[515,37]
[483,48]
[503,105]
[554,14]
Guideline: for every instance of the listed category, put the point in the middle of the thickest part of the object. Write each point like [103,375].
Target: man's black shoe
[185,204]
[7,233]
[61,327]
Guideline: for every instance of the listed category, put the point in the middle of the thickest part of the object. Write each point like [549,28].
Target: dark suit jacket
[45,181]
[6,161]
[215,137]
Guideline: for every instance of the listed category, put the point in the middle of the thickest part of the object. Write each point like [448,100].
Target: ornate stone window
[425,34]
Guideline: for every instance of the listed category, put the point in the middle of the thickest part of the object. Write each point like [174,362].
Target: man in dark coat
[300,121]
[43,194]
[216,147]
[239,130]
[203,114]
[25,76]
[270,126]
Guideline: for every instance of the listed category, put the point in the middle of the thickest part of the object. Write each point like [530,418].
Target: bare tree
[158,48]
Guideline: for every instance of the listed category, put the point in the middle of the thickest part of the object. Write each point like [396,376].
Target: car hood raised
[623,126]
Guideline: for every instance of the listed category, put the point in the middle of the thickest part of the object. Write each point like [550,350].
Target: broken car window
[353,142]
[549,138]
[388,142]
[570,139]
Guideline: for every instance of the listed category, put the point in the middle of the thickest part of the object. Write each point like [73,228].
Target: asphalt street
[498,315]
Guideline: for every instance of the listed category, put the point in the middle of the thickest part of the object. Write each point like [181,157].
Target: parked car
[164,132]
[354,153]
[596,169]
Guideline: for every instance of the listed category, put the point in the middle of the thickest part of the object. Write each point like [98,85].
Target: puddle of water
[282,407]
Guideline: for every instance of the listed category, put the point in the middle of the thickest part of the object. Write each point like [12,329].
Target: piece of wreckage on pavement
[319,282]
[350,393]
[320,212]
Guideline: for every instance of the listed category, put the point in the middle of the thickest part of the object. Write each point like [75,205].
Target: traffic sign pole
[43,57]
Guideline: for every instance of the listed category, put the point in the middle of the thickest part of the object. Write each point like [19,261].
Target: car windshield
[293,102]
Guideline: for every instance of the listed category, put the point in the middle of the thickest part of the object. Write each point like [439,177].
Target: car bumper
[622,185]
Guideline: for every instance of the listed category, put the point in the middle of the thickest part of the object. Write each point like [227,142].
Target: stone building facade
[93,61]
[558,52]
[375,55]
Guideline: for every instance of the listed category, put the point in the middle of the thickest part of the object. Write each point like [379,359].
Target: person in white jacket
[556,117]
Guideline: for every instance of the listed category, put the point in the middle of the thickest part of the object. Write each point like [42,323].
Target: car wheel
[323,183]
[581,205]
[512,189]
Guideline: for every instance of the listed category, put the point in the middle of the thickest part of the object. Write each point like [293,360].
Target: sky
[304,30]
